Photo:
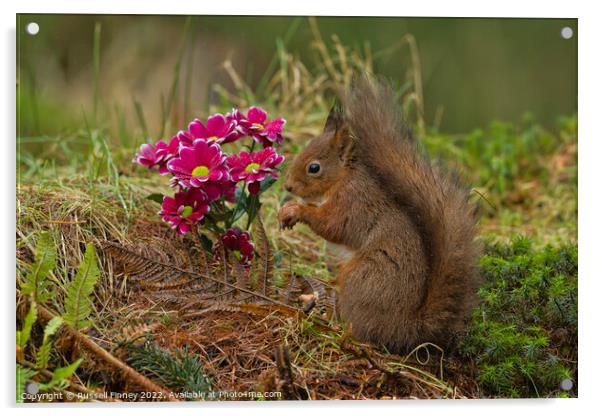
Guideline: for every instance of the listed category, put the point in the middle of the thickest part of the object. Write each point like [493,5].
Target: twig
[100,352]
[476,191]
[285,372]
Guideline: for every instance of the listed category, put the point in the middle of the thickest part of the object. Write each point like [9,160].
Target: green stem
[251,199]
[253,209]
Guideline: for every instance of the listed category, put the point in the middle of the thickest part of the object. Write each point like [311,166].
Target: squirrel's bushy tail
[432,198]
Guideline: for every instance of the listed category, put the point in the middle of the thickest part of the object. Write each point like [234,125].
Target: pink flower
[185,138]
[220,129]
[147,156]
[157,155]
[238,119]
[212,190]
[184,209]
[202,162]
[237,240]
[256,124]
[228,189]
[253,167]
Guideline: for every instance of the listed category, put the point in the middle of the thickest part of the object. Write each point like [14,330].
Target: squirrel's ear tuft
[342,140]
[335,118]
[346,146]
[344,143]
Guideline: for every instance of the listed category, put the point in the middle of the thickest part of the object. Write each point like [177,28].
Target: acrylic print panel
[297,208]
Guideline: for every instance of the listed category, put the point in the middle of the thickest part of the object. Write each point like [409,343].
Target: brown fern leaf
[207,299]
[293,289]
[171,282]
[186,297]
[203,261]
[135,332]
[325,294]
[259,310]
[200,255]
[242,276]
[150,249]
[224,264]
[265,263]
[144,267]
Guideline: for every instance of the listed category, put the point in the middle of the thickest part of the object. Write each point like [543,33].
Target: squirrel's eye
[313,168]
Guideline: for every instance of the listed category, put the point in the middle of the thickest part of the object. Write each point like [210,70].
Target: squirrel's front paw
[289,214]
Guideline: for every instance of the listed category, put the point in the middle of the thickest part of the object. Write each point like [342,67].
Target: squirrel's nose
[288,185]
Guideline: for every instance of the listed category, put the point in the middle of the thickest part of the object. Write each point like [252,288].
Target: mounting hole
[32,28]
[32,388]
[566,384]
[566,32]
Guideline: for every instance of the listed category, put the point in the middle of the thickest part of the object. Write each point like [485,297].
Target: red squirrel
[364,184]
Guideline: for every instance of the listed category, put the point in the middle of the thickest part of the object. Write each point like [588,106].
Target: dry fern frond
[170,282]
[259,310]
[324,295]
[242,277]
[136,332]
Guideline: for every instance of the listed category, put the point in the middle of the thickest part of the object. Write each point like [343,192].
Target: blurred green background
[473,71]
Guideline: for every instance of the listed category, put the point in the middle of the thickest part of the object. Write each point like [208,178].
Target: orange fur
[412,277]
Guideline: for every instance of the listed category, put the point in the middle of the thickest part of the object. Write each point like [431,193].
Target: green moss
[524,333]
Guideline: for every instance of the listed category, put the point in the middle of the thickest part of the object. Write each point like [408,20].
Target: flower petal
[256,115]
[197,129]
[216,125]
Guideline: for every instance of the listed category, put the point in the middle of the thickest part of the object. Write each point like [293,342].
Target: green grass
[524,176]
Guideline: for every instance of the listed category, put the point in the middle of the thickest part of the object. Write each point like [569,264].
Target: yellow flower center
[258,126]
[200,171]
[186,211]
[212,138]
[252,167]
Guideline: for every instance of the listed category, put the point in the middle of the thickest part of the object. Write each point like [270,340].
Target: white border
[508,8]
[590,96]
